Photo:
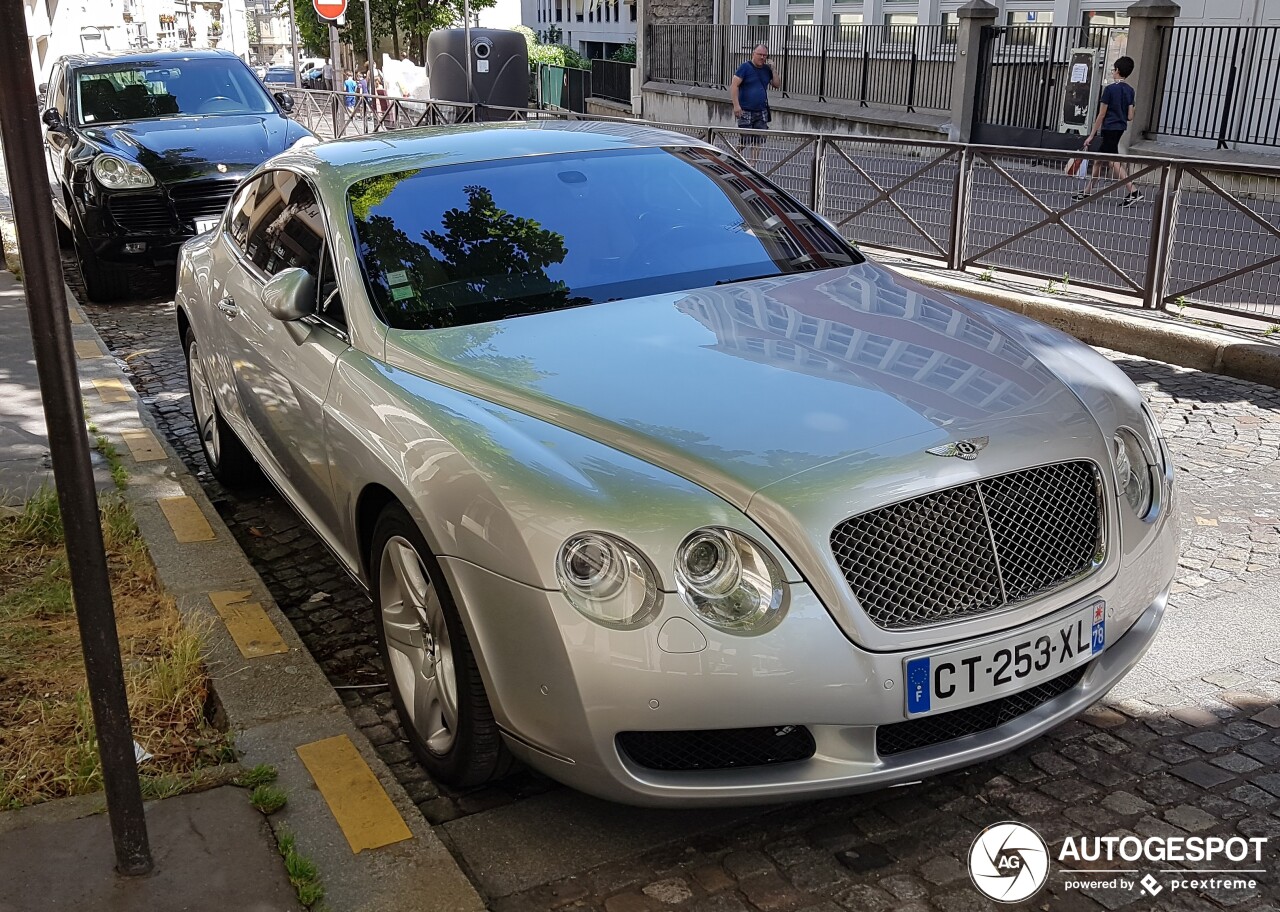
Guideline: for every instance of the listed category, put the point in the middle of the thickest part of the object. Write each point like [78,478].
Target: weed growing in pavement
[119,474]
[1272,330]
[1053,288]
[986,276]
[262,774]
[48,743]
[302,871]
[268,799]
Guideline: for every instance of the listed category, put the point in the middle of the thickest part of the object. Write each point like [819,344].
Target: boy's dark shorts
[753,120]
[1111,141]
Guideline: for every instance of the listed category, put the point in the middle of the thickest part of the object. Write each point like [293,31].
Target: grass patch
[48,743]
[262,774]
[302,871]
[268,799]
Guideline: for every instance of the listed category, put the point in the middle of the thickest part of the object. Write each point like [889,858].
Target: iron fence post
[1170,184]
[822,64]
[786,58]
[1152,292]
[866,70]
[815,191]
[1228,98]
[959,208]
[911,72]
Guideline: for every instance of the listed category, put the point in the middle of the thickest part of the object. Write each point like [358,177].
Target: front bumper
[114,222]
[563,687]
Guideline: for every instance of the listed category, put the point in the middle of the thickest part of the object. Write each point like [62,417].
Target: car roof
[160,56]
[358,157]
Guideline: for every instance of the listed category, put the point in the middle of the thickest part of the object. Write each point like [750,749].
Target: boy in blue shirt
[749,91]
[1115,110]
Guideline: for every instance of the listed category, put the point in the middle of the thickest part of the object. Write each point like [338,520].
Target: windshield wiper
[768,275]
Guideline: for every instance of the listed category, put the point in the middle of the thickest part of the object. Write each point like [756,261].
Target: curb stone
[272,704]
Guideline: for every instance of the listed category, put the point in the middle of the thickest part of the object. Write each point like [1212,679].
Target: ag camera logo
[1008,862]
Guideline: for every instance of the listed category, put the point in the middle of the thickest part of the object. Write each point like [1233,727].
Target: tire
[65,238]
[103,282]
[228,459]
[435,682]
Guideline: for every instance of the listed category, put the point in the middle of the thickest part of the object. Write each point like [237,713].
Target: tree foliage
[402,21]
[551,54]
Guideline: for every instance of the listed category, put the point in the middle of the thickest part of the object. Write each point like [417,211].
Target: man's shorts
[752,120]
[1111,141]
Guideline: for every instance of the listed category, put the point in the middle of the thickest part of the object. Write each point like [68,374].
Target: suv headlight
[607,580]
[117,174]
[1133,471]
[729,581]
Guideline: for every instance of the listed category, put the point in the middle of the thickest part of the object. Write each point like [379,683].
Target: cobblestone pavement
[1198,756]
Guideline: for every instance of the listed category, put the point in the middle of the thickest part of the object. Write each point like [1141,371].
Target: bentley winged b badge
[965,449]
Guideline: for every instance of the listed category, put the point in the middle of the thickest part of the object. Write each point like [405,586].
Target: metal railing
[908,67]
[983,206]
[1220,83]
[612,79]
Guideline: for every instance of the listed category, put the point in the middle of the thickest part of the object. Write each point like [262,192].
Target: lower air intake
[725,748]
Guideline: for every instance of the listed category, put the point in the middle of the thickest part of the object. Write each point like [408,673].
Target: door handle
[228,306]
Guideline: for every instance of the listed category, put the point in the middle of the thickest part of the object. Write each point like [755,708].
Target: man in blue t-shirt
[749,92]
[1115,110]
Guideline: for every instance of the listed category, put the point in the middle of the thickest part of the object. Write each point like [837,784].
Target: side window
[242,210]
[285,228]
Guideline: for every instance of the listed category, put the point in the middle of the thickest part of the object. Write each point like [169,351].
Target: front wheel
[103,281]
[228,459]
[435,683]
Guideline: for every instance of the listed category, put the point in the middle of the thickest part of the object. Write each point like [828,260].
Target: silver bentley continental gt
[658,484]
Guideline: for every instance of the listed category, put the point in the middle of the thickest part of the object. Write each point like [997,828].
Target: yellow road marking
[248,624]
[186,520]
[75,316]
[1205,521]
[360,805]
[143,446]
[111,390]
[87,348]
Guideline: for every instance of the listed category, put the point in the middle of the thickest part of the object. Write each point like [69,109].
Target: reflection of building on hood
[859,325]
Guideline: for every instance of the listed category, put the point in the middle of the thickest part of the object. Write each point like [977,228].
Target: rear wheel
[435,683]
[228,459]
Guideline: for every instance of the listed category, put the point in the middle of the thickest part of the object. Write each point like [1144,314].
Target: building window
[800,19]
[761,21]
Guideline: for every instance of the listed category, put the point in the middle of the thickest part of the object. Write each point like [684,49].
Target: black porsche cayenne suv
[145,149]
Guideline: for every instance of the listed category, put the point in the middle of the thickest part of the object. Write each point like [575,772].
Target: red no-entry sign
[330,9]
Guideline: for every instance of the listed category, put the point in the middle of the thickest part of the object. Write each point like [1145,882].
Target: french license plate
[205,224]
[959,677]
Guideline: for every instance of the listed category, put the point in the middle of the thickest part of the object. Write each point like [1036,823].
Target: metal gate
[1024,75]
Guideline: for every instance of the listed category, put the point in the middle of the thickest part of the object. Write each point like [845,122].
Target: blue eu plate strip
[918,685]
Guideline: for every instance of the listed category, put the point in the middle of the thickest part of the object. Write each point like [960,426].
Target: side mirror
[290,294]
[51,118]
[286,101]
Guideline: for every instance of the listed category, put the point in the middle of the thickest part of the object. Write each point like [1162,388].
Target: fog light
[135,247]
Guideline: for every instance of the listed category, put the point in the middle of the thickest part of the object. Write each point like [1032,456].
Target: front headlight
[1133,471]
[607,580]
[729,581]
[117,174]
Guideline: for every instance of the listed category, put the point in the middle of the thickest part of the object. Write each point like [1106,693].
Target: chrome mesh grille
[973,548]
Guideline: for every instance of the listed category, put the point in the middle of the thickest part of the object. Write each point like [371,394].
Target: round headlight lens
[729,581]
[117,174]
[1133,471]
[607,580]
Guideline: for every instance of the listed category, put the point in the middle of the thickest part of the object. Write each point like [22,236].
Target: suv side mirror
[285,100]
[51,118]
[290,294]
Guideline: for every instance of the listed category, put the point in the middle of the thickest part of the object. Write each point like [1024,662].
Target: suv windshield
[450,246]
[136,91]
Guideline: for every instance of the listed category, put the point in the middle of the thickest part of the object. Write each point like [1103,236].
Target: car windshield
[280,73]
[136,91]
[450,246]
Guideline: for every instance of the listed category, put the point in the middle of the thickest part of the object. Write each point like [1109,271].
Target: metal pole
[20,131]
[293,40]
[368,43]
[466,28]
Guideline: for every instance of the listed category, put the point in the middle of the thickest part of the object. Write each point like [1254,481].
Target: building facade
[59,27]
[1012,12]
[593,29]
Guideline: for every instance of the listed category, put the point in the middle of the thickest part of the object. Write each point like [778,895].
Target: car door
[58,139]
[280,371]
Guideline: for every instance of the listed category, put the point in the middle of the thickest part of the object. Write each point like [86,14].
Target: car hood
[743,386]
[183,148]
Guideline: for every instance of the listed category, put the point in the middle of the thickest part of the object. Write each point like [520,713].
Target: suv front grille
[201,199]
[141,214]
[974,548]
[724,748]
[928,730]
